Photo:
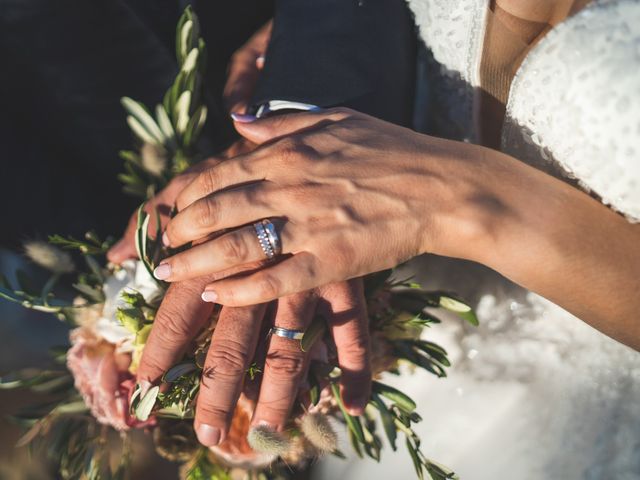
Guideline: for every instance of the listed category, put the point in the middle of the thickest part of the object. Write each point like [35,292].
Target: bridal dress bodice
[534,392]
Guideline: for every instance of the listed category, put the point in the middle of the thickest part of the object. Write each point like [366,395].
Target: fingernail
[355,411]
[165,240]
[145,385]
[260,61]
[243,118]
[353,405]
[162,271]
[209,296]
[207,435]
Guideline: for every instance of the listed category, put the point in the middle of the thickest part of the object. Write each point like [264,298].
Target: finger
[162,203]
[271,128]
[125,248]
[238,247]
[232,172]
[180,317]
[285,364]
[219,211]
[295,274]
[241,80]
[232,347]
[349,325]
[244,70]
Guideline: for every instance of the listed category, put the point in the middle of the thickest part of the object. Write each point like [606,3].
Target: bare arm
[360,195]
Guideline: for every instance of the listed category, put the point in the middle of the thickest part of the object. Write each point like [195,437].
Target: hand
[244,70]
[358,195]
[355,195]
[238,336]
[164,201]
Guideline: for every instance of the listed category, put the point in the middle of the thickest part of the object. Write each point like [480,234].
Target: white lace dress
[534,392]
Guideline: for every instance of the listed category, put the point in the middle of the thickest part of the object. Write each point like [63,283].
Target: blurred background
[65,66]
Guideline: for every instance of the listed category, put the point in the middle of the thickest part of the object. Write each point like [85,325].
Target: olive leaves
[167,136]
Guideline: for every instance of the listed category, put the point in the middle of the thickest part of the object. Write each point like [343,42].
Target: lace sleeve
[575,102]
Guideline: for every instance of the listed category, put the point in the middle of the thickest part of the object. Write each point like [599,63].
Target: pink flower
[102,377]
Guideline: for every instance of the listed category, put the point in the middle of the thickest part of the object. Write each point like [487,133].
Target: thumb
[268,129]
[125,248]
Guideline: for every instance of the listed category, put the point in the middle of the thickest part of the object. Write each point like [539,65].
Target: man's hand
[244,70]
[234,344]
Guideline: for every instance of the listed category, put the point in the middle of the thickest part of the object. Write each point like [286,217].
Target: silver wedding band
[268,238]
[287,333]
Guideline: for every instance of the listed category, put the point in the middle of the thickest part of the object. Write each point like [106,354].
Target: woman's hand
[356,195]
[353,194]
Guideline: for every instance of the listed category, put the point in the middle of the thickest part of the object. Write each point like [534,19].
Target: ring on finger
[268,238]
[286,333]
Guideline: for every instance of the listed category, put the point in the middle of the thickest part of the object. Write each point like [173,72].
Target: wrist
[465,198]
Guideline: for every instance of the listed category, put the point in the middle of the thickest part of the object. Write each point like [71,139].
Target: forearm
[557,241]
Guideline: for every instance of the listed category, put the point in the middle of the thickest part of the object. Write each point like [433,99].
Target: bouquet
[96,399]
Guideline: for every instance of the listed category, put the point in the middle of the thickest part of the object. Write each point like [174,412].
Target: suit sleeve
[359,54]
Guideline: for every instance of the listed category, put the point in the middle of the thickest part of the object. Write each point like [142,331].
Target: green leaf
[143,335]
[129,156]
[395,395]
[352,422]
[184,37]
[190,61]
[142,115]
[178,371]
[165,122]
[434,350]
[355,443]
[182,112]
[387,420]
[417,464]
[144,408]
[140,131]
[314,391]
[93,294]
[339,454]
[470,317]
[463,310]
[141,238]
[72,407]
[372,444]
[314,332]
[195,125]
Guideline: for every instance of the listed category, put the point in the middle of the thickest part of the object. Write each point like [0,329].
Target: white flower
[48,256]
[132,276]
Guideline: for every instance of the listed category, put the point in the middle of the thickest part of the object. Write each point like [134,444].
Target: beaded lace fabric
[534,392]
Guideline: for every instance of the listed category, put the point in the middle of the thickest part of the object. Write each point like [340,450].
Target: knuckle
[208,410]
[343,254]
[339,113]
[268,286]
[288,150]
[205,214]
[233,247]
[207,181]
[285,365]
[173,329]
[226,360]
[356,348]
[180,266]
